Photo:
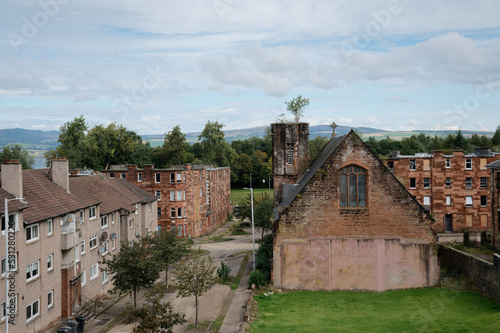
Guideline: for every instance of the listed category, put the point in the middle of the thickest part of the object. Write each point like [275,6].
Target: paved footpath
[219,300]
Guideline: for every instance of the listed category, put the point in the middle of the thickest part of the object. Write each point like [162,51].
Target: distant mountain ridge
[44,140]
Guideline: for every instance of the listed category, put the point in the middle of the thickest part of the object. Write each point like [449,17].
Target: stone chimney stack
[59,172]
[290,154]
[12,177]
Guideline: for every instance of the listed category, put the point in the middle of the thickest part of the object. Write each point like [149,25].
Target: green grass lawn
[416,310]
[237,196]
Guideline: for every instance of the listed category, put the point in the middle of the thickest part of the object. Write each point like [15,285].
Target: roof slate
[494,165]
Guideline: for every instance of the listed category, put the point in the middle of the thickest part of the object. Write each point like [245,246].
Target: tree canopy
[15,151]
[296,107]
[214,148]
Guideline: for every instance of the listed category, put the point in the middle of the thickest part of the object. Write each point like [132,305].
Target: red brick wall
[458,192]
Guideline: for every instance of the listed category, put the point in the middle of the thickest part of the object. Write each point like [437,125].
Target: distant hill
[29,138]
[44,140]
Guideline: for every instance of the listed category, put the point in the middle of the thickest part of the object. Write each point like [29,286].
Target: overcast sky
[150,65]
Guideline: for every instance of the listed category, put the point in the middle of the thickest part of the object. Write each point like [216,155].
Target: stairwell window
[353,186]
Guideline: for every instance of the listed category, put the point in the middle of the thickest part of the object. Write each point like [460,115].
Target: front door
[448,223]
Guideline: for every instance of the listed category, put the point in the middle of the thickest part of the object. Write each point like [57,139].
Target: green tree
[241,168]
[496,137]
[155,316]
[72,143]
[315,146]
[142,155]
[461,141]
[132,268]
[195,277]
[167,248]
[296,107]
[175,149]
[263,213]
[15,151]
[215,149]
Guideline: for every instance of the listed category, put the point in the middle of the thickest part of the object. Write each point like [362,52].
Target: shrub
[258,278]
[223,273]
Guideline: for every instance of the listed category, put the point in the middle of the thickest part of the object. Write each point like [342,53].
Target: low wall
[354,264]
[482,274]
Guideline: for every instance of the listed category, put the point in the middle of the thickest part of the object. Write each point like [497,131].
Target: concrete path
[220,300]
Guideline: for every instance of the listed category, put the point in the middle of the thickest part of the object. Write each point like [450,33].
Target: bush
[258,278]
[223,273]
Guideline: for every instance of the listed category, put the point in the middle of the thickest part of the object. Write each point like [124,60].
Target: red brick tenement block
[192,199]
[456,187]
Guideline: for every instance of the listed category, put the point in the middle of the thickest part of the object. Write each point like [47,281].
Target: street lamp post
[7,266]
[253,228]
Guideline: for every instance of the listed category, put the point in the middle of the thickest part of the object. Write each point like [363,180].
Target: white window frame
[104,221]
[83,278]
[139,177]
[172,178]
[428,184]
[33,314]
[50,262]
[172,212]
[92,213]
[468,201]
[469,182]
[446,182]
[201,192]
[50,227]
[4,265]
[95,268]
[136,209]
[50,299]
[34,266]
[413,164]
[31,229]
[105,277]
[82,247]
[172,195]
[112,218]
[131,223]
[14,219]
[123,176]
[93,239]
[468,164]
[427,200]
[158,195]
[448,200]
[409,183]
[178,177]
[179,195]
[180,211]
[157,178]
[113,243]
[104,248]
[150,206]
[448,163]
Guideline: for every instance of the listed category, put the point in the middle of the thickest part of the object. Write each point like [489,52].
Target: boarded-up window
[468,220]
[484,220]
[427,165]
[482,164]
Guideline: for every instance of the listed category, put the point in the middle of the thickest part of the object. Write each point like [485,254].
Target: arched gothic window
[353,186]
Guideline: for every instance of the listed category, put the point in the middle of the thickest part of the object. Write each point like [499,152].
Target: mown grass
[416,310]
[237,195]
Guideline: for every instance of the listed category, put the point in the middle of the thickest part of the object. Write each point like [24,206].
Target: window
[123,176]
[179,230]
[353,186]
[468,200]
[390,166]
[150,206]
[468,164]
[448,181]
[200,176]
[32,233]
[93,242]
[104,276]
[427,182]
[12,222]
[94,271]
[289,153]
[83,278]
[33,310]
[172,212]
[113,243]
[136,209]
[13,310]
[172,177]
[112,218]
[448,200]
[12,263]
[179,195]
[158,195]
[32,271]
[49,227]
[50,299]
[139,177]
[448,163]
[111,175]
[82,247]
[104,248]
[468,182]
[179,177]
[157,178]
[172,195]
[484,181]
[104,221]
[201,192]
[427,201]
[179,212]
[468,220]
[131,223]
[413,165]
[158,210]
[77,252]
[413,182]
[484,200]
[50,262]
[427,164]
[92,213]
[484,220]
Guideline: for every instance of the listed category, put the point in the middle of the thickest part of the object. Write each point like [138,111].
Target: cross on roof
[334,126]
